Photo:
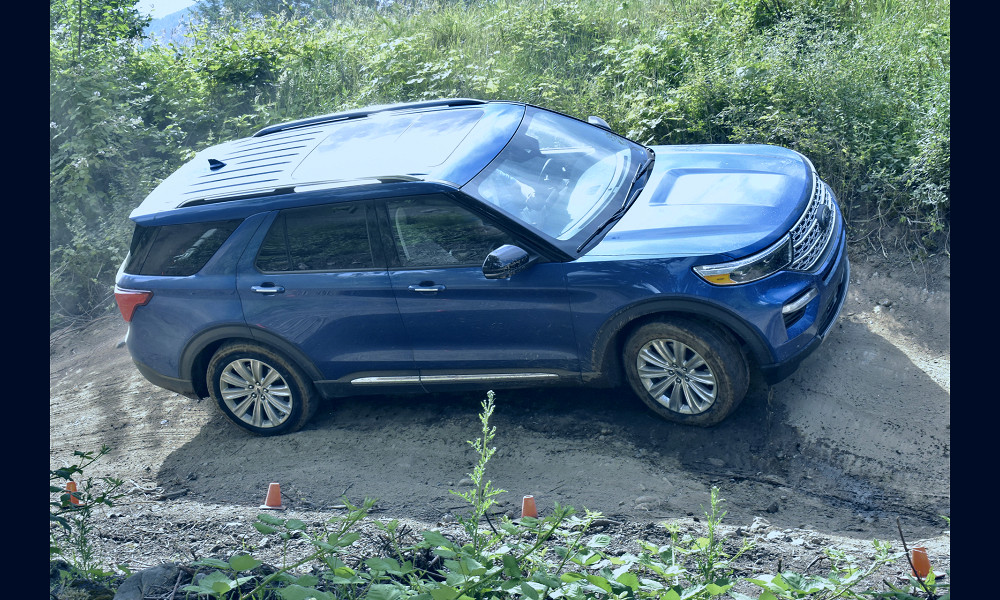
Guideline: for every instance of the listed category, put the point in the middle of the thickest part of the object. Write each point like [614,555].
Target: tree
[82,25]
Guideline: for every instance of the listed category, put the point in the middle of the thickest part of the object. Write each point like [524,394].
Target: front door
[462,326]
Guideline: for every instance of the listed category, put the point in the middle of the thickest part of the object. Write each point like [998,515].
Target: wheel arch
[201,348]
[610,340]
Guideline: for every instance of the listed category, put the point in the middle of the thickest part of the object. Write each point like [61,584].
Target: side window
[331,237]
[176,250]
[435,232]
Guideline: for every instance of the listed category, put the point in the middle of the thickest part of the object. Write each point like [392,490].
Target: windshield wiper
[633,192]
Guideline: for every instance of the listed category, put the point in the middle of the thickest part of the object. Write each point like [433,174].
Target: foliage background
[862,87]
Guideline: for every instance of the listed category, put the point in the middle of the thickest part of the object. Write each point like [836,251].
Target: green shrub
[555,556]
[862,87]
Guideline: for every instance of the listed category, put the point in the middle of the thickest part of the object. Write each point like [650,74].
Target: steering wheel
[552,170]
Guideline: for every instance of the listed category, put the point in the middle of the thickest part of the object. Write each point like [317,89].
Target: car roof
[447,141]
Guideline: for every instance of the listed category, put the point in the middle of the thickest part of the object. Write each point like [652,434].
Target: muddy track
[859,436]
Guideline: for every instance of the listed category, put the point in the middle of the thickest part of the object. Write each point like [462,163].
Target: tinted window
[331,237]
[431,232]
[176,250]
[557,174]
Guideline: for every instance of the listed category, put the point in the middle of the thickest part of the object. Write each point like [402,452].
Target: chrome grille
[813,231]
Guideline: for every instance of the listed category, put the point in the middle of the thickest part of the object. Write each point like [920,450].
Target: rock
[773,535]
[149,583]
[718,462]
[773,508]
[759,525]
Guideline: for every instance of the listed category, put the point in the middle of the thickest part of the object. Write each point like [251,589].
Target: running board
[476,378]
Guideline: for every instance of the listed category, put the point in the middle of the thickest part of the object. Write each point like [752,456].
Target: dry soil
[858,437]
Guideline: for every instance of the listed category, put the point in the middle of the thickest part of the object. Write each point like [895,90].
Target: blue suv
[462,244]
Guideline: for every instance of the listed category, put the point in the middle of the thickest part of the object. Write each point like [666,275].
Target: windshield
[557,174]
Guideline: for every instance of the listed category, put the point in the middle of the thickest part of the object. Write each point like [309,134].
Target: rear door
[461,326]
[319,281]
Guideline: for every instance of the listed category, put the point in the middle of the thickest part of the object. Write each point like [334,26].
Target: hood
[713,199]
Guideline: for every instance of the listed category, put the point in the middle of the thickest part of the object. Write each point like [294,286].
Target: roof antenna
[215,165]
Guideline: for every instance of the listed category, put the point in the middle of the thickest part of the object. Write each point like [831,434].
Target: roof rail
[364,112]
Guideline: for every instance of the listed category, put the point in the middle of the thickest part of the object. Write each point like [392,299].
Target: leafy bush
[862,87]
[552,557]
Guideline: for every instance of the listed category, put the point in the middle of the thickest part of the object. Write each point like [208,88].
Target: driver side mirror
[504,262]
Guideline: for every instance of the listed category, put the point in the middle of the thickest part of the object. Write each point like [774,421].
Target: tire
[686,372]
[259,389]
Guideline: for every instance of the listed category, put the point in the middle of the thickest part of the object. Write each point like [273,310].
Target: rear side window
[332,237]
[176,250]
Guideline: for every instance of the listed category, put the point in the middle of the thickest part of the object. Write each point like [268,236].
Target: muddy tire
[260,390]
[686,372]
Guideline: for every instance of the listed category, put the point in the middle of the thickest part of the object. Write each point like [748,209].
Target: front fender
[605,356]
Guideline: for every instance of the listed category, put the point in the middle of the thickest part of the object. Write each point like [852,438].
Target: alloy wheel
[256,393]
[676,376]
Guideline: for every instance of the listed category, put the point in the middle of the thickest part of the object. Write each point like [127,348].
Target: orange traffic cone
[921,566]
[528,507]
[273,501]
[71,487]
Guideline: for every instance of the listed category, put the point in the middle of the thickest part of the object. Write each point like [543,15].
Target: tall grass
[862,87]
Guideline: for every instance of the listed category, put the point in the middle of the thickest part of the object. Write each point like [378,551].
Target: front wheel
[685,371]
[259,389]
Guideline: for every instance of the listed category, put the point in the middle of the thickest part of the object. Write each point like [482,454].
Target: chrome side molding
[465,378]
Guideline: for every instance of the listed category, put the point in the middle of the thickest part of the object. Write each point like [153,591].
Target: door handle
[426,288]
[267,288]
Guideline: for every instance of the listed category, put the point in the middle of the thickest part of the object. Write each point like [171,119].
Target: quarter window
[176,250]
[332,237]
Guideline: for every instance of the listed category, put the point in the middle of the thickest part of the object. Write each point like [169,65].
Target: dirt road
[858,436]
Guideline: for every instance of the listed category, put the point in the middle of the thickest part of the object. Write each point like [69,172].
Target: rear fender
[200,349]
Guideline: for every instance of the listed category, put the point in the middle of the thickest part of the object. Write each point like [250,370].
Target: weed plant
[553,557]
[71,512]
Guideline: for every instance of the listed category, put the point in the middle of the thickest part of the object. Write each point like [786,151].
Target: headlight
[751,268]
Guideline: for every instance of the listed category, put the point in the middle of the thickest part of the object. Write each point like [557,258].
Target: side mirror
[504,262]
[599,122]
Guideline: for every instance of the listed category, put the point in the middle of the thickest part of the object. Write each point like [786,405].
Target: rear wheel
[685,371]
[259,389]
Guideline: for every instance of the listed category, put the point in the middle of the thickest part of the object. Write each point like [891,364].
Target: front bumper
[830,311]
